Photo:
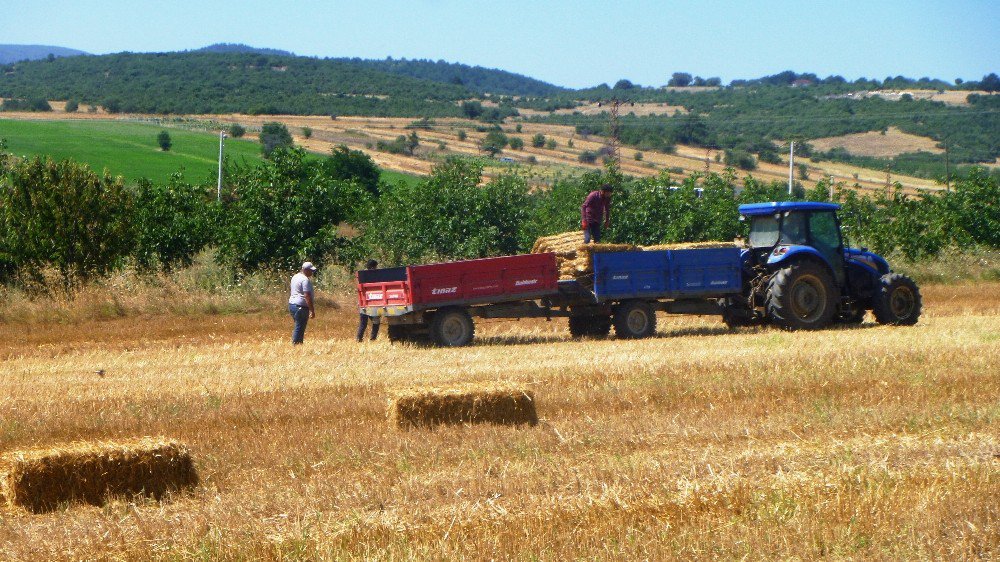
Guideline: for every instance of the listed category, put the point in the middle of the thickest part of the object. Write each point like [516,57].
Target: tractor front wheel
[898,302]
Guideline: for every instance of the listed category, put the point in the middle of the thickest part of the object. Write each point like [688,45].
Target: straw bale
[428,407]
[689,246]
[92,472]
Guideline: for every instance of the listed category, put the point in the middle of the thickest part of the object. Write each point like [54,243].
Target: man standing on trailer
[363,320]
[300,302]
[596,210]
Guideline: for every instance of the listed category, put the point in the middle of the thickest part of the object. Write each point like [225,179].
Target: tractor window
[764,232]
[793,229]
[823,230]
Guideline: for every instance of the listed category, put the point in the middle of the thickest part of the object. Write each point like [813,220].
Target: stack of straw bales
[504,405]
[575,260]
[91,472]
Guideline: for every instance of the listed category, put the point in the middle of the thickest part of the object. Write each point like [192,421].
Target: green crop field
[126,149]
[130,149]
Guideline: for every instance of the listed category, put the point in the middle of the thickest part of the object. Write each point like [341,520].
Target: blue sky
[576,44]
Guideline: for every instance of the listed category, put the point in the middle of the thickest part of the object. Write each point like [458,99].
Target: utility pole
[791,164]
[614,128]
[947,168]
[222,143]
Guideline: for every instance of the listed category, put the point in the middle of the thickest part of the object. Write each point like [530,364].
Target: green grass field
[126,149]
[130,149]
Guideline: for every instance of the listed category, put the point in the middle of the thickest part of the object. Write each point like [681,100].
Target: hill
[476,78]
[15,53]
[241,48]
[204,82]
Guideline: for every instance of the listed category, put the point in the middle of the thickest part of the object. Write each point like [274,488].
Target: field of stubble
[871,442]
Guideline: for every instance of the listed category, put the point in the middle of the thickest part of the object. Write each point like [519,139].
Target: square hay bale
[91,472]
[429,407]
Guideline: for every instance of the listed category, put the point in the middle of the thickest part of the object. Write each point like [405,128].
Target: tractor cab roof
[759,209]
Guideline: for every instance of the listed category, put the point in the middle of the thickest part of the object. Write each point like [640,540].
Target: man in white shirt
[300,302]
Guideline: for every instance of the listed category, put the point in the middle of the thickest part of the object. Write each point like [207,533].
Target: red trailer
[440,299]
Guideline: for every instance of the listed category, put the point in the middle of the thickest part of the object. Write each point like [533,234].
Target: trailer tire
[801,296]
[452,327]
[594,326]
[634,319]
[898,302]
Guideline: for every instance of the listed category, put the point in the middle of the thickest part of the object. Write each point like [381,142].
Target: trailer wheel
[634,319]
[452,327]
[594,326]
[801,297]
[898,302]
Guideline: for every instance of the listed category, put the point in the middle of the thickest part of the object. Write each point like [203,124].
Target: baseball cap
[308,265]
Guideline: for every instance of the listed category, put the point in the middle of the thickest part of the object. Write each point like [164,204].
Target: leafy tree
[237,131]
[345,164]
[990,83]
[493,143]
[741,159]
[624,84]
[516,143]
[679,79]
[307,132]
[448,216]
[472,109]
[274,135]
[587,157]
[538,141]
[72,106]
[163,140]
[62,214]
[174,222]
[285,210]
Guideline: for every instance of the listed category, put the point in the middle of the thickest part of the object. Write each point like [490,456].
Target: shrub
[516,143]
[307,132]
[587,157]
[237,131]
[72,106]
[538,141]
[274,135]
[163,140]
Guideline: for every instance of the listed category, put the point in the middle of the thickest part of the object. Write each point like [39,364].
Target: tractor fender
[871,262]
[785,254]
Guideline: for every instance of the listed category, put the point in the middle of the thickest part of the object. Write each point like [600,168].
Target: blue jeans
[301,316]
[593,231]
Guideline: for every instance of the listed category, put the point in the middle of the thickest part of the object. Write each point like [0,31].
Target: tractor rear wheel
[801,297]
[634,319]
[898,301]
[452,327]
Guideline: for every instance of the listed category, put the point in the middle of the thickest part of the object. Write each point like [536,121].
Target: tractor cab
[801,275]
[779,231]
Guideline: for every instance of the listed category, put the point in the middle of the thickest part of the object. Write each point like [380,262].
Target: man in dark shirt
[596,210]
[363,320]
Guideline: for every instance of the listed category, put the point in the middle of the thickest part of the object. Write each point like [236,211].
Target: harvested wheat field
[857,443]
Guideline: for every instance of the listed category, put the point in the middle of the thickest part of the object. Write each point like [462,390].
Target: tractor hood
[868,259]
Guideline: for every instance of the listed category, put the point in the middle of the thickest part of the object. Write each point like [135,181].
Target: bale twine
[429,407]
[91,472]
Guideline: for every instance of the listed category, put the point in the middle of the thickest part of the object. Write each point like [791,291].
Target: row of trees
[275,213]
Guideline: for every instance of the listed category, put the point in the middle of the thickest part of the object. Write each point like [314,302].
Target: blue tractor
[799,274]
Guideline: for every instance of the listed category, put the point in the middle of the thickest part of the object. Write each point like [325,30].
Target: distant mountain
[241,48]
[476,78]
[15,53]
[204,82]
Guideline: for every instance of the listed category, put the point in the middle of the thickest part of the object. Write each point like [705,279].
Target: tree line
[278,212]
